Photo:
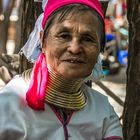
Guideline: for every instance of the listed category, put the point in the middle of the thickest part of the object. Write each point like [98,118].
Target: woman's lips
[74,60]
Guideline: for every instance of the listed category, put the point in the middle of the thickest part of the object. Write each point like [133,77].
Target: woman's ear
[41,39]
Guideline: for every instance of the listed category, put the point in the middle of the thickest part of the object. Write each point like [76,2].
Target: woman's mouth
[74,60]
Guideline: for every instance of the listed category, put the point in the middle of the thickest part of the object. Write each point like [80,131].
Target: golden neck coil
[62,92]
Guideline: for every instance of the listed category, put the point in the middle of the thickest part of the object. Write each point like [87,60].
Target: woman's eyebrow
[89,33]
[64,29]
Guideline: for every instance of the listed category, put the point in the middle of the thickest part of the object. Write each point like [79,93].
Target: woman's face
[72,46]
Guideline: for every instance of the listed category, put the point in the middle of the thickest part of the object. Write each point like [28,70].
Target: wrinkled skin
[72,46]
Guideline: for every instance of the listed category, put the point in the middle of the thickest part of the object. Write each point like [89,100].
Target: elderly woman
[51,102]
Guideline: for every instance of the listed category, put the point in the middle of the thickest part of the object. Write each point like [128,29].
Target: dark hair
[71,10]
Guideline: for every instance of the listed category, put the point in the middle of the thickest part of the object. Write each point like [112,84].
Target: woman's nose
[75,46]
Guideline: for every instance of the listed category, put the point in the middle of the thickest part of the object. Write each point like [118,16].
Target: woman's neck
[64,93]
[59,83]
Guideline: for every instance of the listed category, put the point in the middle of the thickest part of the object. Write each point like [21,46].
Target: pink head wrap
[53,5]
[35,95]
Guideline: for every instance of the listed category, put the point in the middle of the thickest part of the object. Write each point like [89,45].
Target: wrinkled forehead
[85,21]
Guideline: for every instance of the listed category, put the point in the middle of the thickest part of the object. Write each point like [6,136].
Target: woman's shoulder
[18,84]
[92,93]
[98,100]
[14,109]
[16,89]
[13,98]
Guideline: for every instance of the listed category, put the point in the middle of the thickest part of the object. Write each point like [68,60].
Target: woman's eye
[65,36]
[88,39]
